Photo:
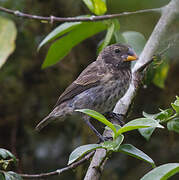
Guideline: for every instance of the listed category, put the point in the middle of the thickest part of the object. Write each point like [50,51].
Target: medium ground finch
[98,87]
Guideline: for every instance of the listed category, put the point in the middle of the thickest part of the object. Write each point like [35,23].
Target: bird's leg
[114,116]
[87,120]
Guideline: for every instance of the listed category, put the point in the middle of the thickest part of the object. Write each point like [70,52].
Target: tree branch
[168,14]
[58,171]
[51,19]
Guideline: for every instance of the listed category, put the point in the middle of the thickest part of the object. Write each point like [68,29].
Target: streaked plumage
[99,86]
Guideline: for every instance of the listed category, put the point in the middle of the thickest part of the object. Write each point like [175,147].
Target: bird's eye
[117,50]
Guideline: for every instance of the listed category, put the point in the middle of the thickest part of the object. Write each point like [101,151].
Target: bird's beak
[131,58]
[131,55]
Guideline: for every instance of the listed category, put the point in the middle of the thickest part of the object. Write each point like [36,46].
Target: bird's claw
[114,116]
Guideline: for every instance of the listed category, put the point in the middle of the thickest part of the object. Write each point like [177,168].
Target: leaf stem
[170,118]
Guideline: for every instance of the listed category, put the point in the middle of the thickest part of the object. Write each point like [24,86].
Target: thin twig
[52,19]
[59,171]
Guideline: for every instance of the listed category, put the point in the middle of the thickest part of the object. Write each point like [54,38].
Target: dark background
[28,93]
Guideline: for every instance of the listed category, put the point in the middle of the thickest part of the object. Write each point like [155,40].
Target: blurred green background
[28,93]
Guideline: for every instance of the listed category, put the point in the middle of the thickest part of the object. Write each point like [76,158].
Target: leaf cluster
[7,158]
[146,125]
[168,116]
[67,35]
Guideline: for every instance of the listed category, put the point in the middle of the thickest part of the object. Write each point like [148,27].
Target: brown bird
[98,87]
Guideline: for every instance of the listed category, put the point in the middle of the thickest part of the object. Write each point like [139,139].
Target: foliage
[118,137]
[162,172]
[97,7]
[7,158]
[8,34]
[67,42]
[146,126]
[63,39]
[161,74]
[158,71]
[68,35]
[169,116]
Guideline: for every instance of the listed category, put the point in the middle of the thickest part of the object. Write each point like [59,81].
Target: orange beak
[131,55]
[131,58]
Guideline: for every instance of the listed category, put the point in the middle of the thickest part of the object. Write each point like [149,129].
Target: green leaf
[164,114]
[173,125]
[139,123]
[89,4]
[135,39]
[99,117]
[175,105]
[4,163]
[161,74]
[97,7]
[59,31]
[81,151]
[162,172]
[5,154]
[134,152]
[117,33]
[150,116]
[8,34]
[2,176]
[113,145]
[60,48]
[108,37]
[12,176]
[146,132]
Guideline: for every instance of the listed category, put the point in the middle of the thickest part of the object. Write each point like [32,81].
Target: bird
[99,86]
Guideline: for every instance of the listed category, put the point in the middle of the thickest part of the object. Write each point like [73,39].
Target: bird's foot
[114,116]
[105,139]
[101,138]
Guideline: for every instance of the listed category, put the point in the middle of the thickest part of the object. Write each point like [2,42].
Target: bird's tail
[44,122]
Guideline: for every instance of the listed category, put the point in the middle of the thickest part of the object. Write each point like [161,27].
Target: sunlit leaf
[8,34]
[134,152]
[139,123]
[97,7]
[162,172]
[81,151]
[60,48]
[99,117]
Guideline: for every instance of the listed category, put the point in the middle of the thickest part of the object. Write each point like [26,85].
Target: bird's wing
[90,77]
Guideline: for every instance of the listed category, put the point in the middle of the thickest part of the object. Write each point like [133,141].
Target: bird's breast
[104,96]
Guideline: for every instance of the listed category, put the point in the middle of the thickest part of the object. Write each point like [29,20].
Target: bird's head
[118,55]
